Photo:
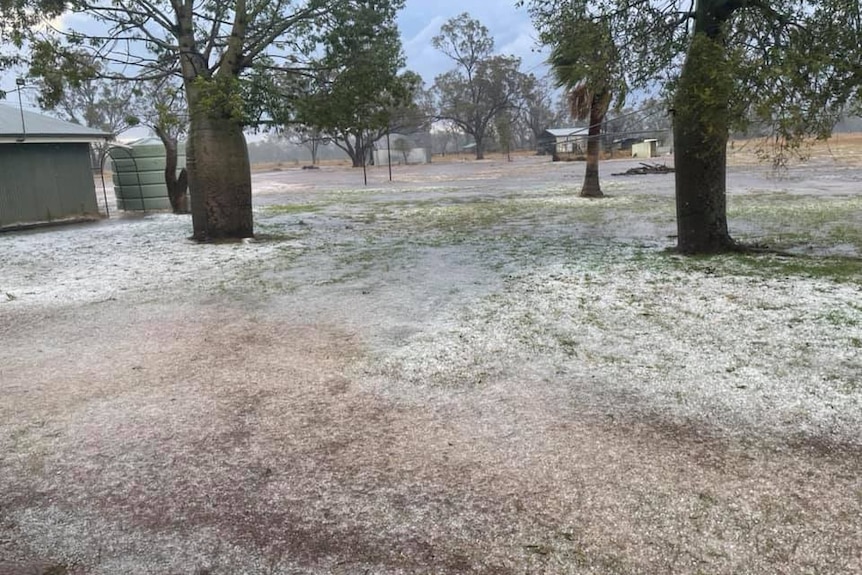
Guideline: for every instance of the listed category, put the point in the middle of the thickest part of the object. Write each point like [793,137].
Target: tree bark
[315,144]
[219,173]
[358,151]
[480,148]
[219,178]
[598,107]
[177,185]
[700,137]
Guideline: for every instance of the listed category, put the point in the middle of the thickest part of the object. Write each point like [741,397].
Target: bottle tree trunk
[219,172]
[700,137]
[598,108]
[219,178]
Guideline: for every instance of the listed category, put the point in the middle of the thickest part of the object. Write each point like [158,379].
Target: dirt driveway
[467,370]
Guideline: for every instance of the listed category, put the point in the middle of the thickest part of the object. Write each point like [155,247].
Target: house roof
[567,132]
[39,128]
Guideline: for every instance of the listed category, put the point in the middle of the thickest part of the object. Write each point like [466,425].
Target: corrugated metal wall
[45,182]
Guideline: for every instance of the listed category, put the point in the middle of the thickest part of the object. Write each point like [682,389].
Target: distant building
[45,169]
[625,144]
[646,149]
[406,149]
[562,140]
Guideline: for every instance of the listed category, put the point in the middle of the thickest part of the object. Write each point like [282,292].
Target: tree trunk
[700,135]
[358,152]
[177,185]
[598,108]
[219,173]
[219,179]
[480,148]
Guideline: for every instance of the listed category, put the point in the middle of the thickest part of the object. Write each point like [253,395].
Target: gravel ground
[465,370]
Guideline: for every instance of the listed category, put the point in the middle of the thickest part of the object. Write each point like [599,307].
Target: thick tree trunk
[358,152]
[219,173]
[598,107]
[219,179]
[700,139]
[480,148]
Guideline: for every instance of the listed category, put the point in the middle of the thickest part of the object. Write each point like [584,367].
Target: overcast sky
[511,28]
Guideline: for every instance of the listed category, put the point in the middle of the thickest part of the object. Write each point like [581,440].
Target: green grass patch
[789,220]
[838,269]
[841,318]
[835,269]
[285,209]
[278,232]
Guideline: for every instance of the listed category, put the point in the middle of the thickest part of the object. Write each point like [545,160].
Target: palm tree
[583,60]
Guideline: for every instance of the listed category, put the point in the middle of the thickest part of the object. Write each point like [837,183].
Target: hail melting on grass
[739,353]
[822,225]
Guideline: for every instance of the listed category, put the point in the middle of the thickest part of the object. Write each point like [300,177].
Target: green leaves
[793,65]
[352,92]
[219,97]
[465,40]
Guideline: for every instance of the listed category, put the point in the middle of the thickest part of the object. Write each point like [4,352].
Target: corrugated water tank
[139,174]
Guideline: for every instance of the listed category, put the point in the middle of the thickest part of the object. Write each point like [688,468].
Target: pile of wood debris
[645,169]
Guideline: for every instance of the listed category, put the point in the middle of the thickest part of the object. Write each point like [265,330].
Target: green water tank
[139,174]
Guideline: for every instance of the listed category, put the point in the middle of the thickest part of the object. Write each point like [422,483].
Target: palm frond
[580,99]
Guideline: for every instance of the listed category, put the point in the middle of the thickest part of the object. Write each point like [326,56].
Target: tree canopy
[481,86]
[79,94]
[358,94]
[17,19]
[791,66]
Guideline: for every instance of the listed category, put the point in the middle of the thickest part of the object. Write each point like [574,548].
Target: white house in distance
[563,140]
[413,149]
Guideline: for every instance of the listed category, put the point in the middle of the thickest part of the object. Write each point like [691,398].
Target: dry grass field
[843,149]
[465,370]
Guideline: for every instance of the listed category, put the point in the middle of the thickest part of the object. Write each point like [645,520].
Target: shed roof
[41,128]
[567,132]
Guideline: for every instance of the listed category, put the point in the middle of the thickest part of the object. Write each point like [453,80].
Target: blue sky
[513,33]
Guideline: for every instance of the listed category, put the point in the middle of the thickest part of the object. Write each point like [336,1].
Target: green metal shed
[45,169]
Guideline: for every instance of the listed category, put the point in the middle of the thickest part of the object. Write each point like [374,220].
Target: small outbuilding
[46,172]
[563,140]
[646,149]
